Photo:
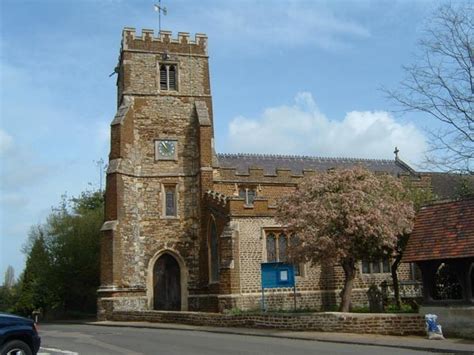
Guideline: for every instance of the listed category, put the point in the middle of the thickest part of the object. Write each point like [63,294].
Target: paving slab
[449,345]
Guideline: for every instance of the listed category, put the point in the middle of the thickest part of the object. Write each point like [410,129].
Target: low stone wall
[275,300]
[365,323]
[455,320]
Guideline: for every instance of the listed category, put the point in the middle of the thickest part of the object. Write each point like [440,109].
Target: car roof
[14,317]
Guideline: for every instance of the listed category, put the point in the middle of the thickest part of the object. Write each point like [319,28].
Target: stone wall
[318,286]
[387,324]
[242,250]
[284,299]
[455,320]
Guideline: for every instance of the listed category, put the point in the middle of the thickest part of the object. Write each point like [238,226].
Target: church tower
[160,164]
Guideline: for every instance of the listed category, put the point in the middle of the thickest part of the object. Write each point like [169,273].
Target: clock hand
[165,146]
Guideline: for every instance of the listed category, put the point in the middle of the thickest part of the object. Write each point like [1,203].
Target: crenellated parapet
[291,168]
[147,41]
[258,175]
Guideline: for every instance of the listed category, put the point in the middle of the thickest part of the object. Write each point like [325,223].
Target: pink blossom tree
[344,216]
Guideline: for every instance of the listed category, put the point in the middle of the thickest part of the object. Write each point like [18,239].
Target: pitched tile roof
[269,163]
[442,231]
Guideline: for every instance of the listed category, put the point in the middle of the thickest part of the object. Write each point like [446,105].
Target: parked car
[18,335]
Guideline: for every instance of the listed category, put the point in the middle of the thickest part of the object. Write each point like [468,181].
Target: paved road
[88,339]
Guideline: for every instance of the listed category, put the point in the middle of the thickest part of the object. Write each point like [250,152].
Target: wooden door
[167,285]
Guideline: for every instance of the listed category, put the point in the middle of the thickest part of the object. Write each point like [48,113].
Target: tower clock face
[166,149]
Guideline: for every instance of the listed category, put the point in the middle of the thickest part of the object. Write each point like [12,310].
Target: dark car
[18,335]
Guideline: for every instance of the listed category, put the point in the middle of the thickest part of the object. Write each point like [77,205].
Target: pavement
[449,345]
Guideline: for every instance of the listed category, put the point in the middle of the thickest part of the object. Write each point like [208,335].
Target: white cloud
[303,129]
[289,23]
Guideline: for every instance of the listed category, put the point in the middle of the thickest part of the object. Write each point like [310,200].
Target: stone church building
[186,228]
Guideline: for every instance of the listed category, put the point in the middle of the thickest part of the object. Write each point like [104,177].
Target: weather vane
[160,9]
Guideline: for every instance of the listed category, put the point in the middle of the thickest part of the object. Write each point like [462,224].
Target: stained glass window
[170,201]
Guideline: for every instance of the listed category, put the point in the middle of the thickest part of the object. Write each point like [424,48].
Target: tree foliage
[9,279]
[8,291]
[62,267]
[465,188]
[344,216]
[441,84]
[35,281]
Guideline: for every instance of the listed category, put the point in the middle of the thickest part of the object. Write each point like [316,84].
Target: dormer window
[168,77]
[248,193]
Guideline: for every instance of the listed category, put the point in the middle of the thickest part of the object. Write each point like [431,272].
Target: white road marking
[57,351]
[86,339]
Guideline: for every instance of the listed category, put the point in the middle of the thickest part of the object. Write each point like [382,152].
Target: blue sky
[295,77]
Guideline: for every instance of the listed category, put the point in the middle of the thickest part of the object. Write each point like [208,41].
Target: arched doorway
[166,284]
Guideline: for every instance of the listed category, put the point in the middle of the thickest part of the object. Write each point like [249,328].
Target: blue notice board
[275,275]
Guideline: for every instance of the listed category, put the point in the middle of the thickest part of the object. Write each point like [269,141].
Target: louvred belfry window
[168,77]
[163,78]
[172,78]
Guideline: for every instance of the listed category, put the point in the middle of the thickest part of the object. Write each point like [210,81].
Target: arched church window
[271,248]
[277,248]
[446,284]
[282,243]
[214,253]
[170,201]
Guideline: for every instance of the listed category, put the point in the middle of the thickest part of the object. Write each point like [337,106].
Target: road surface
[89,339]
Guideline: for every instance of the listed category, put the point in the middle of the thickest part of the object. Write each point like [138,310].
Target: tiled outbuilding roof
[269,163]
[442,231]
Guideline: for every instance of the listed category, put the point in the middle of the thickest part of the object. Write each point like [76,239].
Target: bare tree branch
[441,84]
